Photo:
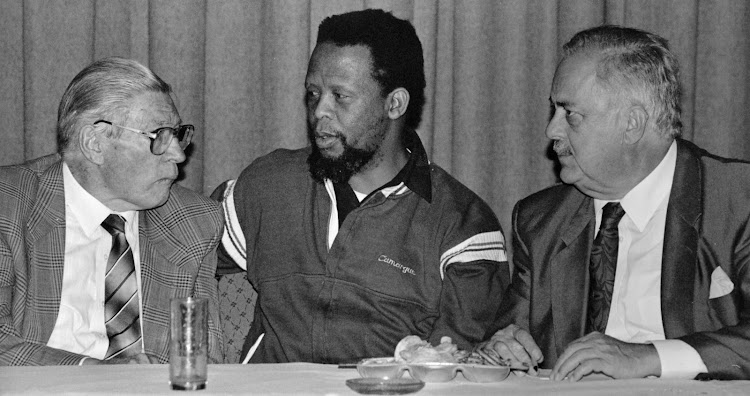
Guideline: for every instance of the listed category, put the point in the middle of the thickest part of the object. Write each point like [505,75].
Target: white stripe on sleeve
[484,246]
[233,239]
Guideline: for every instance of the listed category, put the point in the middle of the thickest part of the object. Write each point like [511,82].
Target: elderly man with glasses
[95,240]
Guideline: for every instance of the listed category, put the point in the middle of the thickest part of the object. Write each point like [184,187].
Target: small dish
[380,368]
[382,386]
[431,372]
[484,373]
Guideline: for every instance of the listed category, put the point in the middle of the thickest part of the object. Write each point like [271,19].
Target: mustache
[323,129]
[561,148]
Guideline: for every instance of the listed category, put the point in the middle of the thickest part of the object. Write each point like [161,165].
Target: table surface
[316,379]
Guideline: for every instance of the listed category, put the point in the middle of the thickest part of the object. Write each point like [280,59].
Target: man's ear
[90,141]
[397,103]
[637,121]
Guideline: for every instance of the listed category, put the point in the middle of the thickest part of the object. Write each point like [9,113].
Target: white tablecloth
[315,379]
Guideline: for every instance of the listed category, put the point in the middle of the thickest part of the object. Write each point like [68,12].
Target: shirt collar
[644,199]
[84,207]
[416,172]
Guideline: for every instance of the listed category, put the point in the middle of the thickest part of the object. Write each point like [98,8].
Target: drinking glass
[188,343]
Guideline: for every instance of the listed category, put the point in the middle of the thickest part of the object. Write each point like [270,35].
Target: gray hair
[639,66]
[101,90]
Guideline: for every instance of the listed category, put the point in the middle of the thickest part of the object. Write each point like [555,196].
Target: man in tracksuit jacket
[358,241]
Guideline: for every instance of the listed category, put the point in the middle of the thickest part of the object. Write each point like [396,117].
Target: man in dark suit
[95,241]
[638,265]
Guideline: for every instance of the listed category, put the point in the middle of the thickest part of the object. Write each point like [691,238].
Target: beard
[341,168]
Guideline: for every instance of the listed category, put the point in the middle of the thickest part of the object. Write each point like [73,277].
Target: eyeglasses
[161,138]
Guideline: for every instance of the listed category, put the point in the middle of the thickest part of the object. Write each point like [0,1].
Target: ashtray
[384,386]
[389,368]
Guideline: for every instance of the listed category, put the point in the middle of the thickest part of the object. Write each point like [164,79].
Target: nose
[555,127]
[323,106]
[174,153]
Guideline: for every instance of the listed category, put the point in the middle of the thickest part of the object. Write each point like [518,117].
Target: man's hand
[512,345]
[140,358]
[599,353]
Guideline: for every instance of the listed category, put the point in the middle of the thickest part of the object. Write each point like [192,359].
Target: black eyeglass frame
[161,137]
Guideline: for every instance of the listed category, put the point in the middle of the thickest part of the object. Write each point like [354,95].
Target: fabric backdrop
[238,69]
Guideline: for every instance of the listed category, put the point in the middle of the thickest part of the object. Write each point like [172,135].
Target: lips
[167,180]
[170,178]
[326,140]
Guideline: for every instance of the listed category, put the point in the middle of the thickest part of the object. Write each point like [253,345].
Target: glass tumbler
[188,343]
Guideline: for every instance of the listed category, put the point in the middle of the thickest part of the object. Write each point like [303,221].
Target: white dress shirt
[635,314]
[80,323]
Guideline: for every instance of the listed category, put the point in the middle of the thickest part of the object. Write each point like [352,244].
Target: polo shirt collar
[416,172]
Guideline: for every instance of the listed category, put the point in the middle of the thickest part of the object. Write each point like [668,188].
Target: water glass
[188,343]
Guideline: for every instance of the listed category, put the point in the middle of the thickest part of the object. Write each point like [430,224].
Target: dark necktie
[121,313]
[602,267]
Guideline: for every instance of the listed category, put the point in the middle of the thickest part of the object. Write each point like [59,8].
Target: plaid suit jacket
[178,258]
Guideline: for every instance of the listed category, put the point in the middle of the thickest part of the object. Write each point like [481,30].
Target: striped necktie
[602,267]
[121,311]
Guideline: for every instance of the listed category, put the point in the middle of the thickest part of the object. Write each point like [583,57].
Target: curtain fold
[238,68]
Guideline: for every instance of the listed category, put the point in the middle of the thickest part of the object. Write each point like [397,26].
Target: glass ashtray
[384,386]
[389,368]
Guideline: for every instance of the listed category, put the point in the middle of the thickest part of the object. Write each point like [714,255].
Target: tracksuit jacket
[425,257]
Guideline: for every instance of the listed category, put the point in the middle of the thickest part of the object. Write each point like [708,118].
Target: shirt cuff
[83,360]
[678,359]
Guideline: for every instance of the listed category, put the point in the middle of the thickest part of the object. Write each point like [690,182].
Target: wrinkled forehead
[153,108]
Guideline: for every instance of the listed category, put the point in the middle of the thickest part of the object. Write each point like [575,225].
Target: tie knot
[611,215]
[114,223]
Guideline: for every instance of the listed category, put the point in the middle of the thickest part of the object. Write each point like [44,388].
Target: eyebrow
[168,123]
[560,103]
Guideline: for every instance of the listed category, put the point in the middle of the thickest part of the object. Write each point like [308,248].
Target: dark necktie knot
[114,223]
[611,215]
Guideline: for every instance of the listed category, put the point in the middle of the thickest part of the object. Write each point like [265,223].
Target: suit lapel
[680,244]
[168,270]
[46,255]
[569,268]
[160,247]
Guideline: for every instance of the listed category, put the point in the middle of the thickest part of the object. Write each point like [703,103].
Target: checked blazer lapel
[169,268]
[570,274]
[46,255]
[680,258]
[161,258]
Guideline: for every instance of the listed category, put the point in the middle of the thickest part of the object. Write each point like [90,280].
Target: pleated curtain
[238,67]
